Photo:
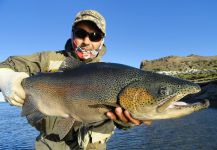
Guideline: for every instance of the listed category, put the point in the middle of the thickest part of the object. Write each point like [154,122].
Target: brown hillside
[193,67]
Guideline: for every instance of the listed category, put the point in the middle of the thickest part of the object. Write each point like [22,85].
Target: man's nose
[86,40]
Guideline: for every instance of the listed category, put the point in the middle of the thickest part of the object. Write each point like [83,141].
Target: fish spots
[135,98]
[51,89]
[83,92]
[144,100]
[126,99]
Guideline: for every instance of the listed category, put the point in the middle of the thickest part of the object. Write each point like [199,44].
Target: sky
[136,29]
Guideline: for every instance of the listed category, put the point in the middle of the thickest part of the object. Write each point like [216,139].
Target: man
[86,45]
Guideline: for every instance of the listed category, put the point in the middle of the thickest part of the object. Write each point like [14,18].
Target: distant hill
[198,69]
[193,67]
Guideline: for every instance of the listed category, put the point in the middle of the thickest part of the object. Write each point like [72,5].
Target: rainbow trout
[85,93]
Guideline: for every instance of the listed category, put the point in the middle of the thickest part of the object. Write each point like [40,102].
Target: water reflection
[196,131]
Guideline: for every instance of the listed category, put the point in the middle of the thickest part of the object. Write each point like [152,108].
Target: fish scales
[89,82]
[86,92]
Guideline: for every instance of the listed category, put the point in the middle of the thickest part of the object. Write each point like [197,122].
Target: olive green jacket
[46,61]
[50,61]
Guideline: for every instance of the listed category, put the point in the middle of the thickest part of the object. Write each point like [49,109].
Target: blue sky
[136,29]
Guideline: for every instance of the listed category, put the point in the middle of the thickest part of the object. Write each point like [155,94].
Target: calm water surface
[196,131]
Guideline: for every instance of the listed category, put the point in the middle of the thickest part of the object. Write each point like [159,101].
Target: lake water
[196,131]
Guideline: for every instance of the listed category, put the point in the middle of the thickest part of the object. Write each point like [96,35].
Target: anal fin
[63,126]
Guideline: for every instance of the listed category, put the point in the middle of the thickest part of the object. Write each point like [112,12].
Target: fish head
[156,97]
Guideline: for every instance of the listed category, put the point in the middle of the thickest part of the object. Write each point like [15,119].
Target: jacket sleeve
[32,64]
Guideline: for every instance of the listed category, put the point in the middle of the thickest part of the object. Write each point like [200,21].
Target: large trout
[87,92]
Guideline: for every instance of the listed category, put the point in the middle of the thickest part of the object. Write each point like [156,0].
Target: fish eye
[164,90]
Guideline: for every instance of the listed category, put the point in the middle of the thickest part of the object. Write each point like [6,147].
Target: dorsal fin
[70,63]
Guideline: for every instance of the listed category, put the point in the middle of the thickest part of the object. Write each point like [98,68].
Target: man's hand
[125,117]
[10,85]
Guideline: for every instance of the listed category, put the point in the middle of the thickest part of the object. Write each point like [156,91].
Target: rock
[209,91]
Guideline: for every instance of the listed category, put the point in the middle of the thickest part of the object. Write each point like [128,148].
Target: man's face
[88,42]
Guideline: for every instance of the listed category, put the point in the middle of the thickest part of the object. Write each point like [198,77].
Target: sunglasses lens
[80,33]
[94,37]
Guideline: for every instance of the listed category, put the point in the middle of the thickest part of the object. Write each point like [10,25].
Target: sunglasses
[93,36]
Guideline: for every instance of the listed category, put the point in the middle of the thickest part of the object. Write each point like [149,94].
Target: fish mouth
[166,102]
[173,102]
[178,105]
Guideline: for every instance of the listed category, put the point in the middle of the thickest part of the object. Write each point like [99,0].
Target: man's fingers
[14,103]
[14,100]
[18,99]
[20,92]
[125,117]
[120,115]
[147,122]
[129,117]
[111,116]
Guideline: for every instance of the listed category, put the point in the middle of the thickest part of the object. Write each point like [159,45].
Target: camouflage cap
[94,16]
